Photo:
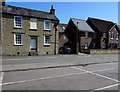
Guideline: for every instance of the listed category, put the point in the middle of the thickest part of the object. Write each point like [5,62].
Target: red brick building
[80,35]
[62,37]
[114,38]
[104,30]
[92,34]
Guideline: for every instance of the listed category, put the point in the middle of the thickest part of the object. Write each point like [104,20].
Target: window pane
[104,35]
[18,39]
[47,40]
[86,45]
[117,36]
[86,34]
[18,21]
[47,24]
[112,35]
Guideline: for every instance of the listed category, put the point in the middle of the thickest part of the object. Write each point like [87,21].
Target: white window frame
[86,45]
[45,25]
[33,20]
[104,35]
[112,35]
[117,36]
[45,40]
[86,34]
[15,25]
[15,40]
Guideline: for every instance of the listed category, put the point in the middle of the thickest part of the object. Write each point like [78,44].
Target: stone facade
[8,30]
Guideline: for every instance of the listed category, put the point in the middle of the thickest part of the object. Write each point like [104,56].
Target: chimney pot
[52,10]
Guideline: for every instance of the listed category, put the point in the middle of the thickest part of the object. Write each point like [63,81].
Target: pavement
[23,63]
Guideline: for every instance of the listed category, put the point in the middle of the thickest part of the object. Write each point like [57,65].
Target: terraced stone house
[29,32]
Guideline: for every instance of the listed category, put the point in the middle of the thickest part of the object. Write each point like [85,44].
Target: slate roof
[63,28]
[102,25]
[63,25]
[82,25]
[28,12]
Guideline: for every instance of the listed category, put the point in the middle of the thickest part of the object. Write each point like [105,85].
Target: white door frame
[33,43]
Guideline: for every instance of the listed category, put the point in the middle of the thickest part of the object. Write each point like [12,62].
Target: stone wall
[8,37]
[104,51]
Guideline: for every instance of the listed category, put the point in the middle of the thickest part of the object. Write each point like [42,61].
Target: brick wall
[104,51]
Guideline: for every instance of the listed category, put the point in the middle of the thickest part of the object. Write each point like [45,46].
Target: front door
[33,43]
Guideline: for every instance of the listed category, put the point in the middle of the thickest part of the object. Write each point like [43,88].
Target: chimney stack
[52,11]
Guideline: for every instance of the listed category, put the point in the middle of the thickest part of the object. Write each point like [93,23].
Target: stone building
[29,32]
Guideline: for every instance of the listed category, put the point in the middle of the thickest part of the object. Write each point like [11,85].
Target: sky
[81,10]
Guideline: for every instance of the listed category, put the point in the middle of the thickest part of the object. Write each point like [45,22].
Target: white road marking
[1,79]
[105,70]
[96,74]
[23,81]
[2,74]
[110,86]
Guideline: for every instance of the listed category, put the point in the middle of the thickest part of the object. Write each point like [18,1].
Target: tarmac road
[92,77]
[15,60]
[13,63]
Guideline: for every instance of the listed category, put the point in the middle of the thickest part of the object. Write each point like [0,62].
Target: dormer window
[47,25]
[17,21]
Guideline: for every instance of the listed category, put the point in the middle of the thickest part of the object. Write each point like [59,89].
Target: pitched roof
[27,12]
[82,25]
[63,26]
[102,25]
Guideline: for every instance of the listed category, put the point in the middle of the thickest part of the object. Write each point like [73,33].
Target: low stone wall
[104,51]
